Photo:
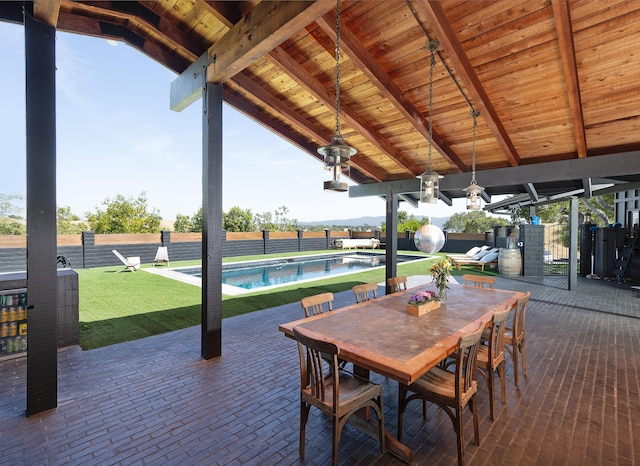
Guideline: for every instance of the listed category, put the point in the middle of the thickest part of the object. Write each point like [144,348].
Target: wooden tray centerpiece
[422,302]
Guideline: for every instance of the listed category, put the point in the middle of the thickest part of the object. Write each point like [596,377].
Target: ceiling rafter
[437,19]
[562,16]
[281,58]
[387,87]
[177,56]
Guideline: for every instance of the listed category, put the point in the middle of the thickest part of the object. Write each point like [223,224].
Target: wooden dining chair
[491,358]
[450,389]
[480,281]
[514,336]
[397,284]
[316,304]
[338,396]
[365,292]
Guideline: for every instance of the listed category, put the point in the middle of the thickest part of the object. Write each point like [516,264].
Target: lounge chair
[130,263]
[162,256]
[481,259]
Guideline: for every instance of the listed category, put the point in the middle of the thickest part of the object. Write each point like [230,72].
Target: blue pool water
[250,275]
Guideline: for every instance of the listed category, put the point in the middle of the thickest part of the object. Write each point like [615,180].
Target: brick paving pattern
[156,402]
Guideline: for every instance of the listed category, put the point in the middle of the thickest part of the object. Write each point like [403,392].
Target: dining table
[380,336]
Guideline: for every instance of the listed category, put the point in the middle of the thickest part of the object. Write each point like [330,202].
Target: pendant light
[474,191]
[337,153]
[430,180]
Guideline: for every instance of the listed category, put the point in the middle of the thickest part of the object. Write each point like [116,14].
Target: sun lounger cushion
[490,257]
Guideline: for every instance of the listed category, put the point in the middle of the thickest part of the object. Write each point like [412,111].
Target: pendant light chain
[337,104]
[431,67]
[474,114]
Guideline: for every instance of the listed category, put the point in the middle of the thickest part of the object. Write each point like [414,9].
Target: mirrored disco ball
[429,239]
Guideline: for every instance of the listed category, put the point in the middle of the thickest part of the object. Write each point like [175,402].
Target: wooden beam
[562,17]
[267,26]
[449,42]
[387,87]
[46,11]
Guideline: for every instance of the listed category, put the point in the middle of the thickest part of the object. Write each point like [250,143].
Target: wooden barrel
[509,262]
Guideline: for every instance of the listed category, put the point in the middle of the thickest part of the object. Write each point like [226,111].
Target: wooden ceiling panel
[553,82]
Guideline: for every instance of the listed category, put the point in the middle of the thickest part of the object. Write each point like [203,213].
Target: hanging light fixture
[474,191]
[430,180]
[337,154]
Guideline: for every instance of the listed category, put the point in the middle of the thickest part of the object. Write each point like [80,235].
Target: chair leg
[474,410]
[491,385]
[304,415]
[524,357]
[336,441]
[460,436]
[514,358]
[501,374]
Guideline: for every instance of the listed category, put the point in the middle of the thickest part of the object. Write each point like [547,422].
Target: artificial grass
[118,307]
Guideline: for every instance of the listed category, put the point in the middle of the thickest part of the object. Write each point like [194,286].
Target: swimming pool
[238,277]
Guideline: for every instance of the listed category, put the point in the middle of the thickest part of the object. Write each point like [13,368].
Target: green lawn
[117,307]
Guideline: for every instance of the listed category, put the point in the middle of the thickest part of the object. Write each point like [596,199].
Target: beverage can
[4,314]
[13,329]
[13,314]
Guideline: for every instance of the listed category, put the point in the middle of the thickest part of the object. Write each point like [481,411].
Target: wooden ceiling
[556,82]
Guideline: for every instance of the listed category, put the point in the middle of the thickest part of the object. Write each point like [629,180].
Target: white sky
[117,135]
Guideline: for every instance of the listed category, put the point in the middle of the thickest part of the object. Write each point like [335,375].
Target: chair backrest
[496,336]
[517,326]
[365,292]
[314,305]
[466,358]
[121,257]
[480,281]
[397,284]
[312,373]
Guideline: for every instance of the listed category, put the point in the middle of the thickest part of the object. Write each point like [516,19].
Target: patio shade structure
[555,84]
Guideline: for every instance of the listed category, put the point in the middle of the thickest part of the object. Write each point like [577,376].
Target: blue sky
[117,135]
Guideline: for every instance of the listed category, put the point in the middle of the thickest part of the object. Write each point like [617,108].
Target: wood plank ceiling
[554,80]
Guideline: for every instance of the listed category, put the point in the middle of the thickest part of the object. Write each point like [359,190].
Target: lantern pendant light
[337,153]
[430,180]
[474,191]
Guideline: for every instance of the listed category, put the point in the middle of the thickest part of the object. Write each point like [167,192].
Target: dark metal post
[42,280]
[573,244]
[211,316]
[392,238]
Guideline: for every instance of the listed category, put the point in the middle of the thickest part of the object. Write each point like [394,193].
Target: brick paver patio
[155,401]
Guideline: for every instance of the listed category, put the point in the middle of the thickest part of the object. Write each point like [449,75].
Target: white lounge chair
[162,255]
[130,263]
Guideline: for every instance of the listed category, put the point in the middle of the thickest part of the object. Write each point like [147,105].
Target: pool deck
[155,401]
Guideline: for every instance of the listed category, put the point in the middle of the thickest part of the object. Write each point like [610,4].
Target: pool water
[260,274]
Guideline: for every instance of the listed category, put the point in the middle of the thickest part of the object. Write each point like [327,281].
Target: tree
[186,224]
[125,215]
[11,223]
[407,223]
[238,219]
[472,222]
[275,222]
[68,223]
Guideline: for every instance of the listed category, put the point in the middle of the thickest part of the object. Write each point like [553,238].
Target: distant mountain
[373,222]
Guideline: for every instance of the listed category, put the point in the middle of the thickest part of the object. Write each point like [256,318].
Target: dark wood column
[211,316]
[392,238]
[42,283]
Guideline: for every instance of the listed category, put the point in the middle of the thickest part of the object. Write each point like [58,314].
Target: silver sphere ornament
[429,239]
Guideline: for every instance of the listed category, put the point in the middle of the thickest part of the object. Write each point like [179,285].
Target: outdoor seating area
[156,401]
[480,256]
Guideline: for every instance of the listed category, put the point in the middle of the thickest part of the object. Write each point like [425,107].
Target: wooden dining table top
[380,336]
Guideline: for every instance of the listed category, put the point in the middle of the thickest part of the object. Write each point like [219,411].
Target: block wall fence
[89,250]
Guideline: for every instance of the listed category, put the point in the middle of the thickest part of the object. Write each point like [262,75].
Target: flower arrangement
[440,272]
[422,297]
